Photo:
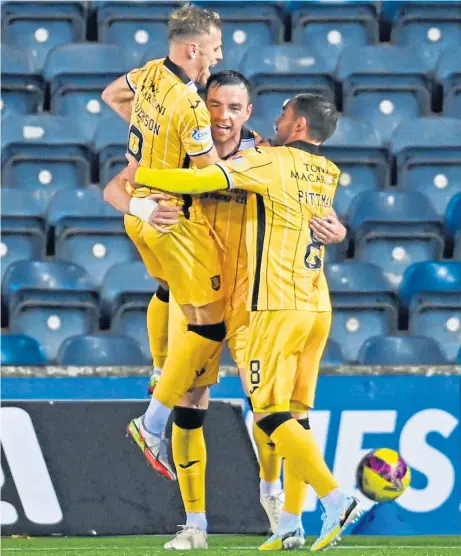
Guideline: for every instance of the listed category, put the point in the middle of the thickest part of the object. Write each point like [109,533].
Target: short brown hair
[319,112]
[191,20]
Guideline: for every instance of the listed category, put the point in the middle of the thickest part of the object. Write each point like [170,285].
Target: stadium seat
[358,151]
[329,27]
[429,28]
[125,295]
[431,292]
[458,358]
[428,151]
[23,229]
[38,27]
[279,72]
[89,232]
[448,74]
[384,85]
[363,305]
[41,150]
[453,218]
[18,349]
[226,358]
[332,356]
[78,73]
[50,301]
[126,286]
[394,230]
[100,351]
[110,143]
[401,350]
[22,87]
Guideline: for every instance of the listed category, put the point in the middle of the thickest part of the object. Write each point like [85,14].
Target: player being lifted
[170,128]
[288,297]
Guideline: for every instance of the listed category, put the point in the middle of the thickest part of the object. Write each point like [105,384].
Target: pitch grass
[224,546]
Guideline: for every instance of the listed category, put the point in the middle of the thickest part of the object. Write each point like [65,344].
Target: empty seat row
[53,301]
[118,350]
[41,151]
[324,27]
[384,85]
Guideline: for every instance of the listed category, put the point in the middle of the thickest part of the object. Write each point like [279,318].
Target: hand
[328,229]
[129,172]
[163,215]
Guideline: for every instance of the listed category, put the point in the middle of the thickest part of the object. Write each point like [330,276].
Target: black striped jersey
[290,185]
[170,123]
[226,212]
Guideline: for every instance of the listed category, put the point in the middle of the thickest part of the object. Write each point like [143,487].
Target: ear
[249,111]
[301,124]
[192,50]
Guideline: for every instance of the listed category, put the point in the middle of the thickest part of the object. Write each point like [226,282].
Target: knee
[188,418]
[271,422]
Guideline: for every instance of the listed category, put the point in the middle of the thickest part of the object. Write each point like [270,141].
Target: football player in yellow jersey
[288,297]
[170,128]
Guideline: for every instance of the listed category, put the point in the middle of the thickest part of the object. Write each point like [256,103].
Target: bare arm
[119,97]
[148,209]
[328,229]
[207,159]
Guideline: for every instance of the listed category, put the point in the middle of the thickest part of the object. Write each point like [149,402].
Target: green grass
[225,546]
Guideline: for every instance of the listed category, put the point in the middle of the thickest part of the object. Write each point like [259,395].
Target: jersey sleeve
[194,126]
[253,170]
[133,77]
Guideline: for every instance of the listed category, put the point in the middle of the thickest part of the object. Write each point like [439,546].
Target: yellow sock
[157,330]
[298,447]
[270,463]
[182,366]
[189,451]
[295,489]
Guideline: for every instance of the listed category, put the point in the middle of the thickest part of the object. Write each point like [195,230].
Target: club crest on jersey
[216,282]
[201,135]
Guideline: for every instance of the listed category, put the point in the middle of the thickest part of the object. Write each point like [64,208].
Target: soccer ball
[383,475]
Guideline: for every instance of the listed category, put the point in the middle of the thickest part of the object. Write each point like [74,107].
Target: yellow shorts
[186,258]
[236,318]
[283,358]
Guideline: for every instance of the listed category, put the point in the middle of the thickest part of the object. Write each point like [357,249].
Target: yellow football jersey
[226,212]
[170,123]
[285,261]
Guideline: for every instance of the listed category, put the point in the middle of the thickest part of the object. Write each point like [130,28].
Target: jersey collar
[244,134]
[179,72]
[304,146]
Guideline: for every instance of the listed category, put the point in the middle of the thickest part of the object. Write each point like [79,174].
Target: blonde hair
[191,20]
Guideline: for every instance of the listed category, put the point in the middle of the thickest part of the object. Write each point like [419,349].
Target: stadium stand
[65,258]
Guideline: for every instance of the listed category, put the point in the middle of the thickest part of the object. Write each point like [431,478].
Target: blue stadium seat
[401,350]
[428,151]
[279,72]
[18,349]
[41,150]
[332,356]
[448,74]
[431,292]
[38,27]
[363,305]
[126,286]
[50,301]
[89,232]
[226,357]
[384,85]
[23,229]
[77,74]
[139,28]
[110,143]
[100,351]
[429,28]
[330,27]
[394,230]
[458,358]
[22,87]
[453,217]
[125,293]
[358,151]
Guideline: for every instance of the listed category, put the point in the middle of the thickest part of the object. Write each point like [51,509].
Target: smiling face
[207,51]
[229,109]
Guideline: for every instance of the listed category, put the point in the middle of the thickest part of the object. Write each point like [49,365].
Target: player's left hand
[129,172]
[328,229]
